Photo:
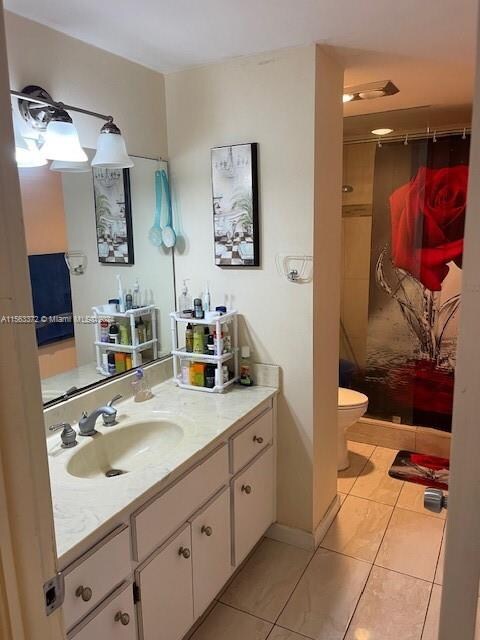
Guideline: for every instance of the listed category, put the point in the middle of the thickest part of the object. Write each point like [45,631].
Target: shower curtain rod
[412,135]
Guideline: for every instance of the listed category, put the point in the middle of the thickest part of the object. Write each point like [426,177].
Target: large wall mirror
[85,232]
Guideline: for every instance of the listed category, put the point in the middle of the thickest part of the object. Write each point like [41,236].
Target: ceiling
[426,47]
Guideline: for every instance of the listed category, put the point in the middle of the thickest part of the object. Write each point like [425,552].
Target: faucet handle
[114,399]
[68,435]
[111,419]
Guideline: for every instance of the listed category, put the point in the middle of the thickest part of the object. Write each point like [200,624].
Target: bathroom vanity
[143,554]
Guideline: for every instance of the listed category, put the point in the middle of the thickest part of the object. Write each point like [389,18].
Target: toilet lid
[349,398]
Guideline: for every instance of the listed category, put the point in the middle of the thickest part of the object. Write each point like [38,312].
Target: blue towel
[52,296]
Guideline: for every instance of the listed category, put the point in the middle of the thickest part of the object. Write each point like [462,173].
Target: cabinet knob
[258,439]
[246,488]
[85,593]
[124,618]
[183,551]
[207,530]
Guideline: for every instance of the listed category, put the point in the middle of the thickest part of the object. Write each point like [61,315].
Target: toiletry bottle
[119,362]
[121,299]
[114,334]
[189,338]
[206,334]
[218,342]
[137,301]
[198,377]
[185,371]
[198,341]
[104,330]
[245,367]
[105,362]
[184,299]
[111,363]
[123,329]
[227,338]
[199,314]
[142,334]
[128,301]
[210,345]
[128,361]
[141,389]
[210,376]
[206,299]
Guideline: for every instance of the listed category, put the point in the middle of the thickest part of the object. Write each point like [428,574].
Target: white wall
[269,99]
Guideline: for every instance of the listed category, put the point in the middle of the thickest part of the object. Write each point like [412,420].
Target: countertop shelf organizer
[230,358]
[136,347]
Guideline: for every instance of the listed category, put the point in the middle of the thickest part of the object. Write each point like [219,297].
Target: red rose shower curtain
[419,201]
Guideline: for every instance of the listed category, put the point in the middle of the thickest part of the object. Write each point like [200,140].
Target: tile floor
[377,574]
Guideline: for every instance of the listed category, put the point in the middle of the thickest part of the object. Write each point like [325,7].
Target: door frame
[462,552]
[27,538]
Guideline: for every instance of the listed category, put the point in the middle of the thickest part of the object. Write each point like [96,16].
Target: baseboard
[304,539]
[400,436]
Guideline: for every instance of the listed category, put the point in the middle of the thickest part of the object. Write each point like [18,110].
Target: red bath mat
[429,471]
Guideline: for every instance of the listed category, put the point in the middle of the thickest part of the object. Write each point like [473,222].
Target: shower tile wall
[358,167]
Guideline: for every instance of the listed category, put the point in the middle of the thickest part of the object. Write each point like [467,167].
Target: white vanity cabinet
[182,545]
[165,585]
[212,551]
[253,503]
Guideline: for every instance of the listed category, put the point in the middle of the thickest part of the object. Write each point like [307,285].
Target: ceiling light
[70,167]
[111,149]
[381,132]
[370,90]
[61,139]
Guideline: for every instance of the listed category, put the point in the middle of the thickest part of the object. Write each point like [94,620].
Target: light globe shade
[111,149]
[70,167]
[62,142]
[29,155]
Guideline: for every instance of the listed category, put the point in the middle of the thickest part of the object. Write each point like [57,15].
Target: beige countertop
[85,509]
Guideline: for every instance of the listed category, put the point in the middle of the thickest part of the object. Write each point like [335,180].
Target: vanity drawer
[161,518]
[115,621]
[249,442]
[93,576]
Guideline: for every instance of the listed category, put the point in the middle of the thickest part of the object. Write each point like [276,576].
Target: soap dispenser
[184,299]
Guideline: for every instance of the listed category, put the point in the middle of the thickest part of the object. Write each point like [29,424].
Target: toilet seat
[350,399]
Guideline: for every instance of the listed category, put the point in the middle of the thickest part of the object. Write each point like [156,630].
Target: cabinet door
[116,621]
[253,500]
[211,545]
[166,599]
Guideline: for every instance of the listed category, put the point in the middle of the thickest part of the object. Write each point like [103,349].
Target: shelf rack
[179,353]
[135,348]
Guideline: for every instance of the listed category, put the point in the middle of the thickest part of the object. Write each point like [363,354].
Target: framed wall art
[113,215]
[235,205]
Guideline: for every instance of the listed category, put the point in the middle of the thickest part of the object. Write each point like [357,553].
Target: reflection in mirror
[85,242]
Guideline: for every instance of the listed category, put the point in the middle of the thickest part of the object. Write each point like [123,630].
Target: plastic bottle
[104,334]
[245,367]
[185,370]
[141,331]
[137,301]
[141,389]
[128,301]
[206,299]
[227,339]
[184,299]
[114,333]
[189,338]
[198,339]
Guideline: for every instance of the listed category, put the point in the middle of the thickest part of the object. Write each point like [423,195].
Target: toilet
[351,406]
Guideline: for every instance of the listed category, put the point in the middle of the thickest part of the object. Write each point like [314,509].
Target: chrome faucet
[69,436]
[87,422]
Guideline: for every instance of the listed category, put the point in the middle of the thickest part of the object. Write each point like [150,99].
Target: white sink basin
[124,449]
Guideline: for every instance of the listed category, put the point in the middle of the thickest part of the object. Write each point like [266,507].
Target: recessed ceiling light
[347,97]
[381,132]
